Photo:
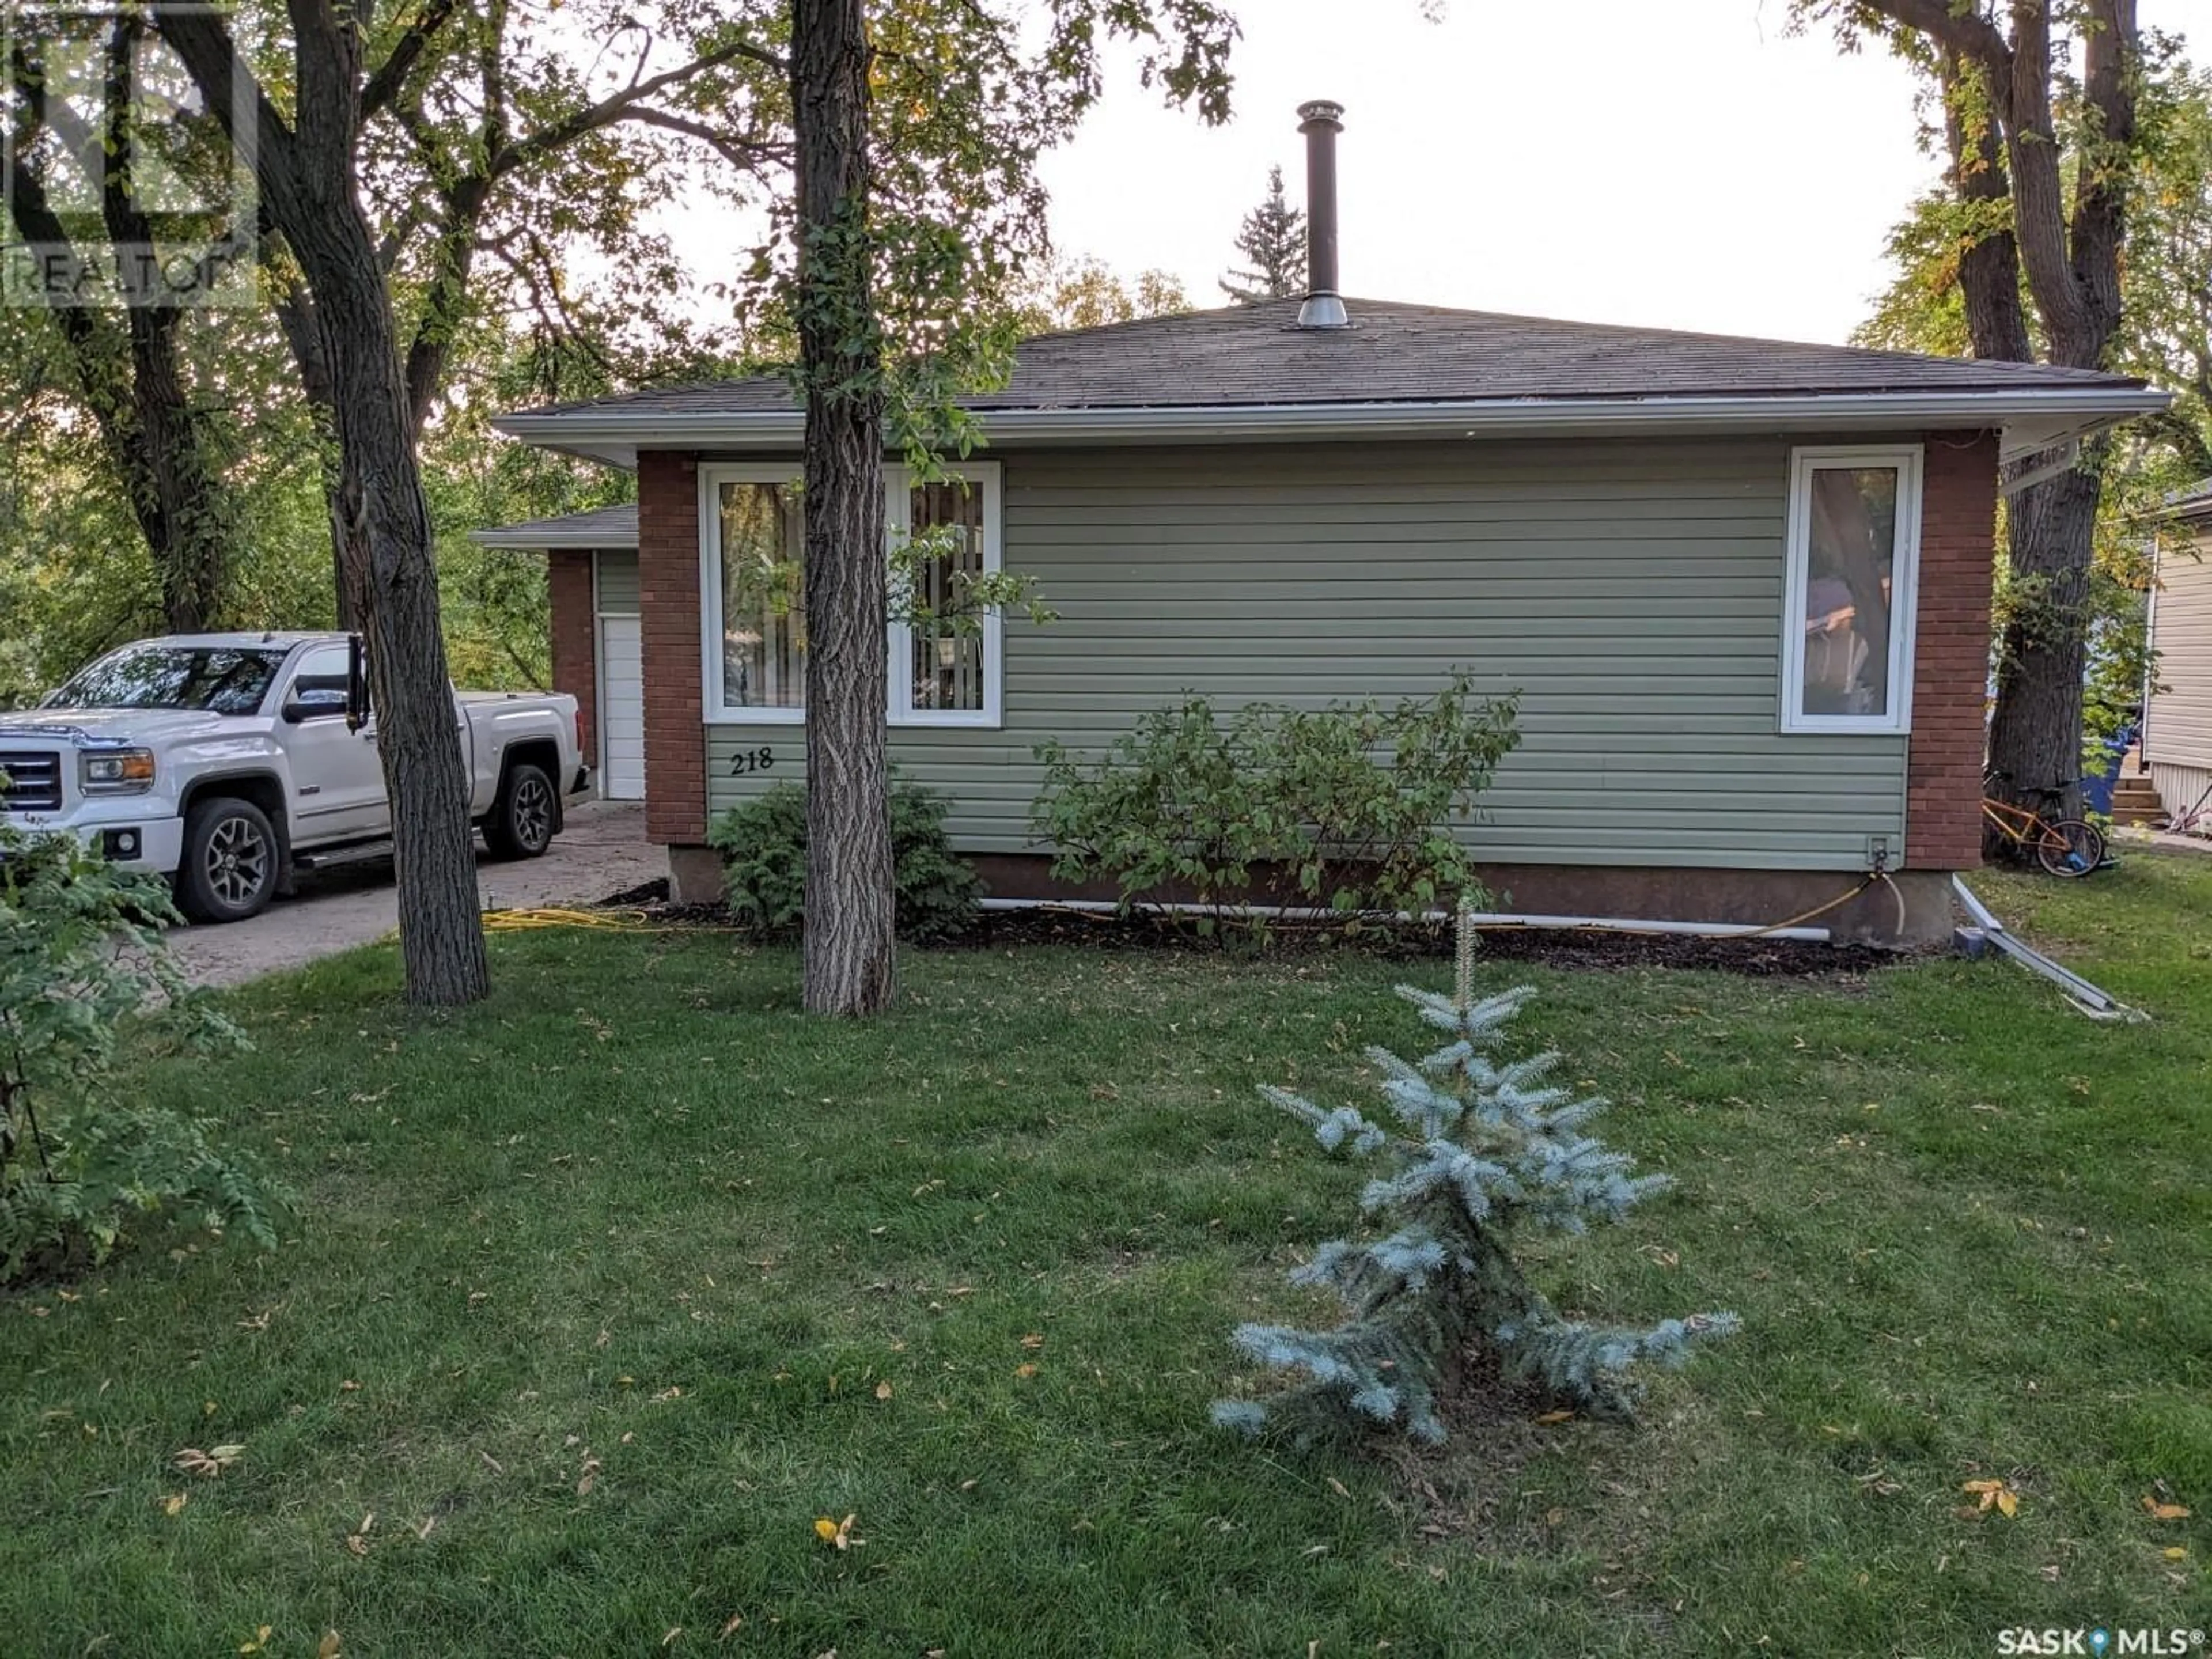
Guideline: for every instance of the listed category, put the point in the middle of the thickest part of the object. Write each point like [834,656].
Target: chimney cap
[1318,111]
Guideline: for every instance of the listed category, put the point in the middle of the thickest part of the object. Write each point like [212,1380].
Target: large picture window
[1854,543]
[944,666]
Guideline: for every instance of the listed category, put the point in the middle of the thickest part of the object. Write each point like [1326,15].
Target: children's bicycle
[2062,847]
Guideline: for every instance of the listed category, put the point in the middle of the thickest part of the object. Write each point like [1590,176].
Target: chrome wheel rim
[531,814]
[238,862]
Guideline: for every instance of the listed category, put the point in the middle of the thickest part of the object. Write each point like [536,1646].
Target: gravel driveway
[602,850]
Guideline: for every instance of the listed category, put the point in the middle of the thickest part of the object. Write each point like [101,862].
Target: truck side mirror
[357,708]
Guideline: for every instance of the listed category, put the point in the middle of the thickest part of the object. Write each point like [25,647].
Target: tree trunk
[850,945]
[2035,737]
[383,520]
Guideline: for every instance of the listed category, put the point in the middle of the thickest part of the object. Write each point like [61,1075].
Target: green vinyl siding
[1632,591]
[617,595]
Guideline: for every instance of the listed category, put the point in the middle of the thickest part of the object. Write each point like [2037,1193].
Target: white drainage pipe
[1483,919]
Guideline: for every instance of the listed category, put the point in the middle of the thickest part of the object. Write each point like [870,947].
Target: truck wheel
[231,861]
[521,821]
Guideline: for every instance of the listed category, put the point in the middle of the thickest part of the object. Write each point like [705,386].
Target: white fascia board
[545,541]
[2031,419]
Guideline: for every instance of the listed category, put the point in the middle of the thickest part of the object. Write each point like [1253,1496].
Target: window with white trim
[945,670]
[1853,558]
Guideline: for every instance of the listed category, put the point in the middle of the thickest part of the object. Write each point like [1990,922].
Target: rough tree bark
[309,187]
[2071,259]
[850,951]
[157,437]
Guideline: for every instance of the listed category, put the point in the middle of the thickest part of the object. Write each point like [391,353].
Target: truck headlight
[116,771]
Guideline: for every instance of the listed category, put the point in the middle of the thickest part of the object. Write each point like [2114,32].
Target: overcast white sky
[1682,163]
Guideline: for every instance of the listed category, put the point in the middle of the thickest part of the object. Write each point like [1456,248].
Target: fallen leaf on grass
[1025,1371]
[2159,1512]
[209,1464]
[669,1640]
[1554,1416]
[590,1477]
[731,1629]
[174,1503]
[328,1646]
[259,1641]
[2175,1552]
[1994,1493]
[1338,1488]
[1033,1342]
[839,1533]
[883,1390]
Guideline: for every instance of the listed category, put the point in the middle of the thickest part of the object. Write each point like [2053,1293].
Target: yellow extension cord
[605,921]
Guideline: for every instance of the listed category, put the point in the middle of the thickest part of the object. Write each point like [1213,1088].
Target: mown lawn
[602,1294]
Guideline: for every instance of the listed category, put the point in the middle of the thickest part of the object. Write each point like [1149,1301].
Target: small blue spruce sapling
[1479,1149]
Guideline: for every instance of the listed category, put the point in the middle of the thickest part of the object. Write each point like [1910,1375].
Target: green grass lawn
[601,1294]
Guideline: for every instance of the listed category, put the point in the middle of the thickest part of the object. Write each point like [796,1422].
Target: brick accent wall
[668,620]
[575,635]
[1951,653]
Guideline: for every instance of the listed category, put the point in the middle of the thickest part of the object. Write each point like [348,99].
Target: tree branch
[622,106]
[390,77]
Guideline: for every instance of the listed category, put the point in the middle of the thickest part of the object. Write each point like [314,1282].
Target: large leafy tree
[1944,246]
[2043,170]
[389,151]
[918,127]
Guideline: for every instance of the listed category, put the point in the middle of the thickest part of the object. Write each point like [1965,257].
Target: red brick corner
[1951,652]
[568,591]
[668,620]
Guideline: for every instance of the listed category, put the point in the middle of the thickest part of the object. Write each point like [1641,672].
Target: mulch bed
[1000,930]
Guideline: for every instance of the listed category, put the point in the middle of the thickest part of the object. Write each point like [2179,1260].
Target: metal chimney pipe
[1321,121]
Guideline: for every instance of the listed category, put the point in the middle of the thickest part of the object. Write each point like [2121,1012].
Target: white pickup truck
[225,761]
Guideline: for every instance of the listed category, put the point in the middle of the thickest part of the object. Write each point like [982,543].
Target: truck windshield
[223,679]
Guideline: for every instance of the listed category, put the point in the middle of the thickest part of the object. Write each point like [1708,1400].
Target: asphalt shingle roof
[1256,355]
[616,524]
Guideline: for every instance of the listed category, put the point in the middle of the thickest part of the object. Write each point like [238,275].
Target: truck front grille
[30,780]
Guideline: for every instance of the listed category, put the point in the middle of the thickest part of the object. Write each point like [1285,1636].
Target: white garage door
[622,710]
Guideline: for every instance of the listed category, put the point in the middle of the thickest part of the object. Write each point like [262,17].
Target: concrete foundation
[694,875]
[1912,907]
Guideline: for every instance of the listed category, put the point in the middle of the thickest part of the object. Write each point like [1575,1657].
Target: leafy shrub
[81,956]
[1475,1153]
[763,847]
[1345,808]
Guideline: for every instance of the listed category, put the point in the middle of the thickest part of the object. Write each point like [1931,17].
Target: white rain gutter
[1482,919]
[545,541]
[2032,420]
[2098,1005]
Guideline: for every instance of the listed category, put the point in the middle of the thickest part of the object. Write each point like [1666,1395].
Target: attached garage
[598,637]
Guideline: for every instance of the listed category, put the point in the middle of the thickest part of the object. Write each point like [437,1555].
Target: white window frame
[898,498]
[983,477]
[1904,586]
[711,479]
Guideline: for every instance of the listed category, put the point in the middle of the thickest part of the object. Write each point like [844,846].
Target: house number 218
[751,760]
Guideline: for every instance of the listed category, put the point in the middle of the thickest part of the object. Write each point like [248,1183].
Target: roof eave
[518,539]
[2032,420]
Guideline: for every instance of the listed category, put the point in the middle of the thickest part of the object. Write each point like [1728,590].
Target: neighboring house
[2177,732]
[1742,587]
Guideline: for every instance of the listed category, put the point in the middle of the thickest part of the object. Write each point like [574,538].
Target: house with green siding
[2176,739]
[1740,586]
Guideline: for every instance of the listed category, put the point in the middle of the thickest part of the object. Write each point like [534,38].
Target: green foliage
[763,846]
[1348,809]
[2165,336]
[1479,1152]
[1273,239]
[82,957]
